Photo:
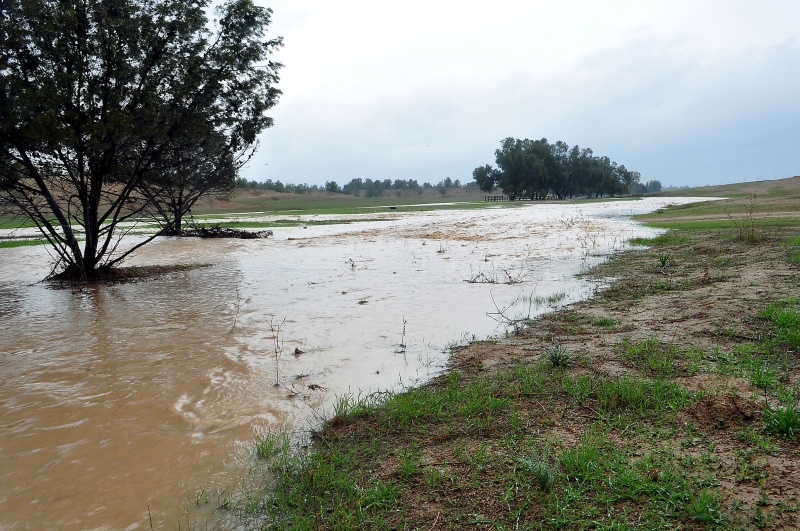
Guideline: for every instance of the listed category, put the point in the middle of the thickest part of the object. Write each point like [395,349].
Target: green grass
[306,204]
[8,244]
[668,238]
[662,487]
[557,355]
[505,476]
[784,420]
[422,207]
[585,200]
[719,224]
[605,322]
[794,252]
[266,222]
[12,222]
[785,319]
[661,359]
[271,444]
[539,301]
[628,397]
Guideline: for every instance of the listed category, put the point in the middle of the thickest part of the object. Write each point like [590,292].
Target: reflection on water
[117,401]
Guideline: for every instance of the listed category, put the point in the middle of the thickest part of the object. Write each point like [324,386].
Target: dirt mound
[722,411]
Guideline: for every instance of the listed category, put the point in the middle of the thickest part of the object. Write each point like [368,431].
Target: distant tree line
[536,169]
[648,187]
[357,187]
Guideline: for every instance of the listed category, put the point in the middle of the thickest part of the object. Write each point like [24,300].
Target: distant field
[249,200]
[762,201]
[746,189]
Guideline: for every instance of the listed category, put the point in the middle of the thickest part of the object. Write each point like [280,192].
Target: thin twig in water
[500,315]
[402,347]
[277,344]
[239,305]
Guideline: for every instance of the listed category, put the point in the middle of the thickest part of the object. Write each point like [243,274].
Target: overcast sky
[688,92]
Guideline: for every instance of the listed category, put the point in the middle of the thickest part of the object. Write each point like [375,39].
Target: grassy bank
[9,244]
[668,401]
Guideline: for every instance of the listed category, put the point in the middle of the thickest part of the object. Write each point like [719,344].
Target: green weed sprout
[785,421]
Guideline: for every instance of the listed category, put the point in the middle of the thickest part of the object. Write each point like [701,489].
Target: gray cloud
[665,103]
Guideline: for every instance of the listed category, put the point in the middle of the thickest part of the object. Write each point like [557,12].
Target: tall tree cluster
[115,110]
[535,169]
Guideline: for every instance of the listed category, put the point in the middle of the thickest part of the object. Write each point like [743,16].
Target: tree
[513,163]
[106,105]
[486,177]
[353,187]
[653,186]
[570,169]
[204,169]
[372,188]
[525,168]
[534,168]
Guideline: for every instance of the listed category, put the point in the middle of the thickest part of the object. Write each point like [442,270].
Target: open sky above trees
[688,93]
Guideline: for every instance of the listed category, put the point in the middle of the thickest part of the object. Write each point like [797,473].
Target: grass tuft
[605,322]
[665,259]
[271,443]
[784,421]
[543,470]
[558,355]
[785,318]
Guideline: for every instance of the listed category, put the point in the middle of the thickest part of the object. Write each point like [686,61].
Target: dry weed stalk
[746,227]
[277,344]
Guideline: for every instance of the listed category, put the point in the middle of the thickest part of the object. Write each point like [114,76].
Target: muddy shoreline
[708,300]
[685,314]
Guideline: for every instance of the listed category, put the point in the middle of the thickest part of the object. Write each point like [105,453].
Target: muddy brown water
[120,402]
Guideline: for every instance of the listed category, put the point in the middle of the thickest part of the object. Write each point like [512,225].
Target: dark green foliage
[486,177]
[114,109]
[534,169]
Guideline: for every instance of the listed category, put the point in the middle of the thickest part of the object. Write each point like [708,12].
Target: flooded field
[119,403]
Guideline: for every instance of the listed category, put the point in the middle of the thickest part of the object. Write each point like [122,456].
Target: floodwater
[120,402]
